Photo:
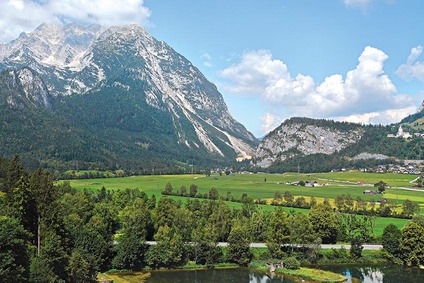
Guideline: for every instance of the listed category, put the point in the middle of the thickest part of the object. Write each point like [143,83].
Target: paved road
[263,245]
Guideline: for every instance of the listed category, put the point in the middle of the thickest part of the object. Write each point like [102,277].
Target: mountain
[305,136]
[321,145]
[120,97]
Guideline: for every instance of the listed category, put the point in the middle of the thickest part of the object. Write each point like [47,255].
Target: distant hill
[111,98]
[321,145]
[414,122]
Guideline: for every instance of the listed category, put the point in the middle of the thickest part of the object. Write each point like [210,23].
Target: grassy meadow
[264,186]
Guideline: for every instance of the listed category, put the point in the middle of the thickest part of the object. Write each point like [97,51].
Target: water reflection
[239,275]
[266,278]
[355,274]
[378,273]
[363,275]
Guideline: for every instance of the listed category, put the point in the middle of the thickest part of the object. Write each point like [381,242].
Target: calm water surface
[236,275]
[355,274]
[378,273]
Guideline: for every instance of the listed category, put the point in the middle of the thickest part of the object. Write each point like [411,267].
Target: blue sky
[353,60]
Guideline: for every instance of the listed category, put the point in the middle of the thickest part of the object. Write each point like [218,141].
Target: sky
[348,60]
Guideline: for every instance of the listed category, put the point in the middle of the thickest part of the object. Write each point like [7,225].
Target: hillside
[322,145]
[112,98]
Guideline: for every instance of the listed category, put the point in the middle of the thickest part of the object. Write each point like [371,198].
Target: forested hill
[322,145]
[106,131]
[112,98]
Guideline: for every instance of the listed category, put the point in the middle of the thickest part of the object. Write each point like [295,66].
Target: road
[263,245]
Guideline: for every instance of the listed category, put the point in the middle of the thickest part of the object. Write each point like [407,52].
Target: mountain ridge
[127,65]
[322,145]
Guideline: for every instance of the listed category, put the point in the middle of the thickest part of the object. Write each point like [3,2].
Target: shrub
[291,263]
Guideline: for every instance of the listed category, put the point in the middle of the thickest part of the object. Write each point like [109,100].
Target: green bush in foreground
[291,263]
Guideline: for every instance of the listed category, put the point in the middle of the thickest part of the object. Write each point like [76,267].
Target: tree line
[343,203]
[53,233]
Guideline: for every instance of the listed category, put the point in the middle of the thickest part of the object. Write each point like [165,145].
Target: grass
[256,186]
[313,274]
[264,186]
[124,277]
[317,275]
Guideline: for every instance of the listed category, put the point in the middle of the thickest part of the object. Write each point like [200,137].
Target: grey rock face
[292,139]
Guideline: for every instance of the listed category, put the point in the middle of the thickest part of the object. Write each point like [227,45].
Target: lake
[355,274]
[378,273]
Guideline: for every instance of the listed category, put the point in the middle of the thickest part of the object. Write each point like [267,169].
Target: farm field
[264,186]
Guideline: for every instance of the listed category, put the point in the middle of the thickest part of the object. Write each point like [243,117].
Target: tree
[130,252]
[301,202]
[301,230]
[164,212]
[45,195]
[213,194]
[339,202]
[14,256]
[131,249]
[391,239]
[52,262]
[168,189]
[325,223]
[79,269]
[183,191]
[184,223]
[193,190]
[381,186]
[220,221]
[258,226]
[361,205]
[169,250]
[412,244]
[409,208]
[356,247]
[239,244]
[22,202]
[313,201]
[288,198]
[14,173]
[277,196]
[278,232]
[206,250]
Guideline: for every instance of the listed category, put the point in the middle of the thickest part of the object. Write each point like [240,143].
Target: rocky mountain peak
[129,62]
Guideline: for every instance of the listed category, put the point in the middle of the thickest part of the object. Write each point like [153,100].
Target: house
[370,192]
[381,201]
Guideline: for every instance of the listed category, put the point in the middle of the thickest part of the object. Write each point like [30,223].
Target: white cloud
[365,89]
[413,69]
[362,4]
[18,16]
[270,122]
[385,117]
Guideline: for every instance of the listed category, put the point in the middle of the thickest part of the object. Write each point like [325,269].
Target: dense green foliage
[390,239]
[75,234]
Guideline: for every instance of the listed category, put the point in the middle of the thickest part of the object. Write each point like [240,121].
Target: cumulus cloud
[18,16]
[384,117]
[413,69]
[364,89]
[270,122]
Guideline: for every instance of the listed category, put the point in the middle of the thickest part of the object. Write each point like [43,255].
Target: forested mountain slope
[112,98]
[321,145]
